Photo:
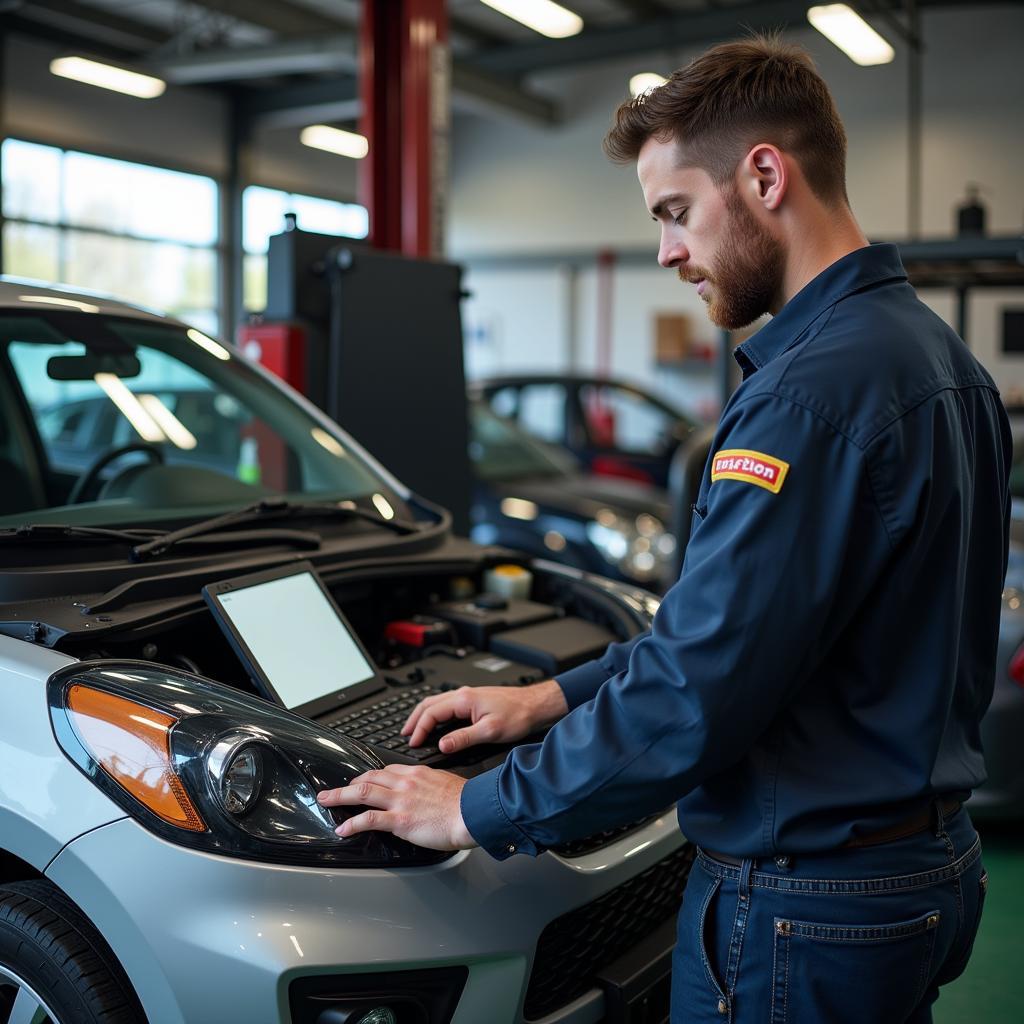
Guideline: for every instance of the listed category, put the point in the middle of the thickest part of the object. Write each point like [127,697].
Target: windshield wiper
[59,531]
[267,509]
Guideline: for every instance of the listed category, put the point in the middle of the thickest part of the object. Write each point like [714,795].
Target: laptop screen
[293,636]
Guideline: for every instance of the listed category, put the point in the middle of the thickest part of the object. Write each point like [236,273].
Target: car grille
[575,947]
[578,847]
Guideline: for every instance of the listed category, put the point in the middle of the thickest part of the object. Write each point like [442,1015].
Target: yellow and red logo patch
[750,467]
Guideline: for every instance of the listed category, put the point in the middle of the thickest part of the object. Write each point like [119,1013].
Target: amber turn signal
[131,743]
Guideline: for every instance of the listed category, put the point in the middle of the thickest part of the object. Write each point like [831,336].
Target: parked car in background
[614,428]
[163,857]
[1002,796]
[533,497]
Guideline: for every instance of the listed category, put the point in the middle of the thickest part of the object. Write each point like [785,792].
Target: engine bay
[423,630]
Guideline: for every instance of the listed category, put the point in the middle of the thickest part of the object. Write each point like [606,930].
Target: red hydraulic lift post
[404,84]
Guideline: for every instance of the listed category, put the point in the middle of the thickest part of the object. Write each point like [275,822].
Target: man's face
[711,238]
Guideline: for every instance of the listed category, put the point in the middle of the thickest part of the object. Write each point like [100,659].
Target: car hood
[585,496]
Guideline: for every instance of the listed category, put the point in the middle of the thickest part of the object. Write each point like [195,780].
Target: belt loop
[938,819]
[744,882]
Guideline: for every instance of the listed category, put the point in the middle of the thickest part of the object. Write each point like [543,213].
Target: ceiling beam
[645,8]
[75,19]
[472,89]
[336,99]
[279,16]
[322,53]
[319,102]
[669,31]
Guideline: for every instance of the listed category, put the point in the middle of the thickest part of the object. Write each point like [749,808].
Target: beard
[746,279]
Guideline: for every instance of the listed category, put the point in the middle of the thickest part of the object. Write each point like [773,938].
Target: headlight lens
[240,783]
[640,548]
[213,768]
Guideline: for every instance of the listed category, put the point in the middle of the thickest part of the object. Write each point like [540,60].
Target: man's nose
[672,252]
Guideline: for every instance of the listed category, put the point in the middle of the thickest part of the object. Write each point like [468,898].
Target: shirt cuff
[487,821]
[581,684]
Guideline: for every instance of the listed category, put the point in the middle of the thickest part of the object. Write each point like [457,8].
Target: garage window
[145,234]
[263,212]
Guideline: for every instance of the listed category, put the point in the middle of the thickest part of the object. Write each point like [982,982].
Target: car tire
[52,954]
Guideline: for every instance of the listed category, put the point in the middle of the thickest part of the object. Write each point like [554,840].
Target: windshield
[501,451]
[203,431]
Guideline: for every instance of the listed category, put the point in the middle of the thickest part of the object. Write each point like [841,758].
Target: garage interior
[241,197]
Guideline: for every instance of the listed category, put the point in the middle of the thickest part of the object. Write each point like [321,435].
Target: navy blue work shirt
[820,668]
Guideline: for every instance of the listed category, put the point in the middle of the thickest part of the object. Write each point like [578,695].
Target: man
[811,689]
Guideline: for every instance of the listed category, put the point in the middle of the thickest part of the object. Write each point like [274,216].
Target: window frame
[220,248]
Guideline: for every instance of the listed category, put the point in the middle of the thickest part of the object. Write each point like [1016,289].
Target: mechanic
[811,689]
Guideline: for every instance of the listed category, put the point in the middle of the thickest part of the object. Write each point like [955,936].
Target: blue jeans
[856,935]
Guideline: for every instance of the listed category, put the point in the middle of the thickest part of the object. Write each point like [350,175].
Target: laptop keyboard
[381,724]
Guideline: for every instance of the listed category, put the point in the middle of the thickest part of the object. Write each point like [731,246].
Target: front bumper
[206,938]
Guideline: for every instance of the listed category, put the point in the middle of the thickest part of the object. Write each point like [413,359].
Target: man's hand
[500,714]
[413,802]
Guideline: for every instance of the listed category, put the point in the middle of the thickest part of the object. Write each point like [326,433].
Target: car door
[628,433]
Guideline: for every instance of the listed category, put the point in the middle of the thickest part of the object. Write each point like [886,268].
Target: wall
[523,188]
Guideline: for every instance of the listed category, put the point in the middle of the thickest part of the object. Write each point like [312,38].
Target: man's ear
[765,175]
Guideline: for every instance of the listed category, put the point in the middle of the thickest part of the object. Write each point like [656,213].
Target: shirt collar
[856,270]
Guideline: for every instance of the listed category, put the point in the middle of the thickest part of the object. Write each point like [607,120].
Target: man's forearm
[548,703]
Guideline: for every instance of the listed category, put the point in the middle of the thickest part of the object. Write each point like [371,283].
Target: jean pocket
[850,973]
[964,946]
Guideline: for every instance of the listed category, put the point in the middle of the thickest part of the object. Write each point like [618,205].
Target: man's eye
[681,215]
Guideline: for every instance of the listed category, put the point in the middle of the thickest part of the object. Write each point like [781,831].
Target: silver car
[162,855]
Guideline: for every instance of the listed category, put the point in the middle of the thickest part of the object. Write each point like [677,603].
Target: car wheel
[55,967]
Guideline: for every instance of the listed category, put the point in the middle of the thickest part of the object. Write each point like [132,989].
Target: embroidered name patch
[750,467]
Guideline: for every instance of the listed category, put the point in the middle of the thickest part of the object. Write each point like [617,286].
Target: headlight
[640,548]
[213,768]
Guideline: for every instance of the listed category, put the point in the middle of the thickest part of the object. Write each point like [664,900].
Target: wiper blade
[266,509]
[59,531]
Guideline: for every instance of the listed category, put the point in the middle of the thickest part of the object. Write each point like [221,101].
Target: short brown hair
[732,97]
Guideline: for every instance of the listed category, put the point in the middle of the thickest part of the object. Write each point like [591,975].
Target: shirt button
[511,847]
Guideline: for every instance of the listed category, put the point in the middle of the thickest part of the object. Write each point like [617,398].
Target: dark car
[1002,795]
[532,496]
[614,428]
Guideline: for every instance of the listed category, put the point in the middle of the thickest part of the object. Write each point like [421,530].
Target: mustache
[693,275]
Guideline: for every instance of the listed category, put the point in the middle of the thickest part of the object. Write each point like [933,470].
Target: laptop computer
[300,652]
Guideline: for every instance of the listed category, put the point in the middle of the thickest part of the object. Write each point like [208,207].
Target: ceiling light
[334,140]
[106,76]
[851,33]
[645,82]
[543,16]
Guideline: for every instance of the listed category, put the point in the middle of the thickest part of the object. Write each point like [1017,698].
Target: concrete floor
[991,990]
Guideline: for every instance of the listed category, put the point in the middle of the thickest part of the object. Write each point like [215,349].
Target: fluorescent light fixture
[645,82]
[843,26]
[131,408]
[334,140]
[176,431]
[208,343]
[50,300]
[543,16]
[107,76]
